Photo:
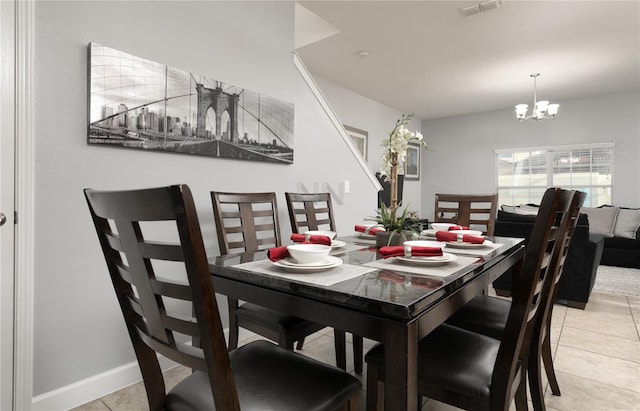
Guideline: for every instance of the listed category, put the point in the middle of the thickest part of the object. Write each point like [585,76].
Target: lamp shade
[521,110]
[552,109]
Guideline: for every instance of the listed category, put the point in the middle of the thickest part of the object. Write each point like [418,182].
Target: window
[524,174]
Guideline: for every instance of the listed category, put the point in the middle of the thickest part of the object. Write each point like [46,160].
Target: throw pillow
[627,223]
[601,220]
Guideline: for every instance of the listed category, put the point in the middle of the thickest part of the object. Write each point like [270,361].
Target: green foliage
[389,219]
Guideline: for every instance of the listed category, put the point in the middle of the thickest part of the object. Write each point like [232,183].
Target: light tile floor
[596,357]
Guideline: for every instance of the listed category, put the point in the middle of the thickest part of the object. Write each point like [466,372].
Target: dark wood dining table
[392,306]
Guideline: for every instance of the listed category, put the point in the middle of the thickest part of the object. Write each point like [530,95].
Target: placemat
[332,276]
[431,271]
[480,252]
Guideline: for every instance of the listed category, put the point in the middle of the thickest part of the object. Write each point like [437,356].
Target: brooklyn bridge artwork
[137,103]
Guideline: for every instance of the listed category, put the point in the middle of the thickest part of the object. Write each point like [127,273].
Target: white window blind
[524,174]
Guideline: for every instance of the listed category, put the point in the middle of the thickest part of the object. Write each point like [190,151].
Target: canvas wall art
[141,104]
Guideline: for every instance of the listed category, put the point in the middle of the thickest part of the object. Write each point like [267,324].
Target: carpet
[618,280]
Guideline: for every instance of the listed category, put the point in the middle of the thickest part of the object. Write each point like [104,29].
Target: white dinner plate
[455,244]
[290,265]
[424,243]
[428,233]
[439,260]
[337,243]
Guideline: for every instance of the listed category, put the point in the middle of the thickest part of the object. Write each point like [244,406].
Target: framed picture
[412,163]
[360,139]
[141,104]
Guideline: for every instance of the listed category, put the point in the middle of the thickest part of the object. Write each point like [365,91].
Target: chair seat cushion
[267,378]
[454,360]
[269,317]
[484,315]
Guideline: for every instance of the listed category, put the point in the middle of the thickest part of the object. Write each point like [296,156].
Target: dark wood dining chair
[248,222]
[158,285]
[488,315]
[470,210]
[476,372]
[310,211]
[314,211]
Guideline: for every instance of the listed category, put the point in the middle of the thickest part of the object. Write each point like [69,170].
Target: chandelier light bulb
[540,110]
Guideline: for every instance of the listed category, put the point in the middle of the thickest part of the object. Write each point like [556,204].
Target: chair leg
[535,382]
[340,341]
[285,342]
[233,324]
[357,353]
[374,388]
[300,344]
[521,393]
[354,403]
[547,359]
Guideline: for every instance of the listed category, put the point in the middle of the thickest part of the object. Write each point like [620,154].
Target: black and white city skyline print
[138,103]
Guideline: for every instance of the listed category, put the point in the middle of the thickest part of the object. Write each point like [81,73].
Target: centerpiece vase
[384,239]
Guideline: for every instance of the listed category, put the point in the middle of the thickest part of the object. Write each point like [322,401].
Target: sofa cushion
[601,220]
[627,223]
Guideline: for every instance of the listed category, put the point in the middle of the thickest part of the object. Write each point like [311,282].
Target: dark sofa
[622,236]
[622,252]
[581,264]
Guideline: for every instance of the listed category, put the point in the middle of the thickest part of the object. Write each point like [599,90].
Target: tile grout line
[636,321]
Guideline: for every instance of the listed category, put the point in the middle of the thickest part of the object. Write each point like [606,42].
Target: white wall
[78,329]
[378,120]
[462,159]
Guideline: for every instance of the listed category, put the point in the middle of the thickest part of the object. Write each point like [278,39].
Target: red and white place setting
[420,257]
[306,262]
[468,242]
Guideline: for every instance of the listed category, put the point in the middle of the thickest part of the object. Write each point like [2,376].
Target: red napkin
[277,253]
[399,251]
[313,239]
[369,230]
[458,227]
[453,237]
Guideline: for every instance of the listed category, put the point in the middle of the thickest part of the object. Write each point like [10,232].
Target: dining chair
[473,371]
[468,210]
[314,211]
[248,222]
[310,211]
[488,315]
[153,247]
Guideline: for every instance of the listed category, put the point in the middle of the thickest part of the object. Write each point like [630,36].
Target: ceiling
[426,57]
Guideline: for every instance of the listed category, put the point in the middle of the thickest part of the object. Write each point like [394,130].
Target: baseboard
[92,388]
[99,385]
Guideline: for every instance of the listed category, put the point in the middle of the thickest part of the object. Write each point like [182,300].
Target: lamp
[541,109]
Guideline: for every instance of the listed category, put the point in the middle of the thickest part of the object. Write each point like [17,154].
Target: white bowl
[330,234]
[442,226]
[424,243]
[308,253]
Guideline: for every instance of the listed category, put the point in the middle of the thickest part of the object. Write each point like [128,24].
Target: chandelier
[541,109]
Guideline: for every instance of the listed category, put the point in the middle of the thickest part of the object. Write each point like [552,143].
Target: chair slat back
[310,211]
[538,266]
[558,259]
[467,209]
[246,222]
[148,274]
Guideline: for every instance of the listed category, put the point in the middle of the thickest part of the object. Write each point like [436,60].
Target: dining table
[396,301]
